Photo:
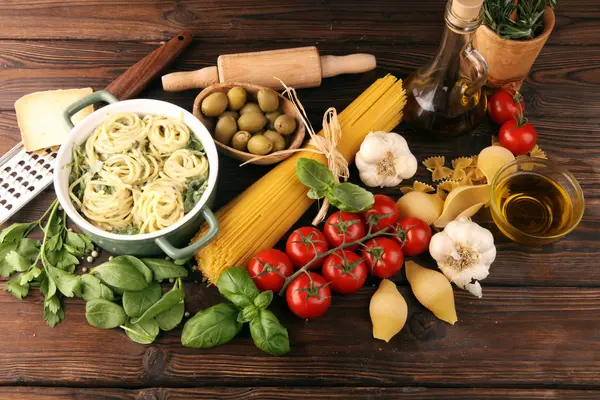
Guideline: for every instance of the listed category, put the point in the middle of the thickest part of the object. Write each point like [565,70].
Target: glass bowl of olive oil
[535,201]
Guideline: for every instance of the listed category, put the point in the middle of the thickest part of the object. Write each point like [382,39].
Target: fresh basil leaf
[237,286]
[263,300]
[120,273]
[16,288]
[15,232]
[30,275]
[168,300]
[138,264]
[6,269]
[247,314]
[268,334]
[136,303]
[163,269]
[17,262]
[53,318]
[68,284]
[316,194]
[92,288]
[314,174]
[350,197]
[211,327]
[168,320]
[144,332]
[104,314]
[29,248]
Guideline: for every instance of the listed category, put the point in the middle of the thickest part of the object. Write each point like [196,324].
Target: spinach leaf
[136,303]
[314,175]
[168,320]
[138,264]
[144,332]
[237,286]
[268,334]
[92,288]
[350,197]
[211,327]
[104,314]
[168,300]
[120,273]
[163,269]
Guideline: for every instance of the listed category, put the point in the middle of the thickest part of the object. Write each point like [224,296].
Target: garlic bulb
[464,252]
[384,159]
[388,311]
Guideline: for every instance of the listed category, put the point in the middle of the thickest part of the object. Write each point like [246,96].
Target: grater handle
[97,97]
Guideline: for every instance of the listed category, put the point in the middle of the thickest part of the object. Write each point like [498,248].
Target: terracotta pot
[509,61]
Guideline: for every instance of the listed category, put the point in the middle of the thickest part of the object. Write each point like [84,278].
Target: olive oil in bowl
[535,202]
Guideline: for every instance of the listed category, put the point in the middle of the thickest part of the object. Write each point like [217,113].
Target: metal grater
[23,176]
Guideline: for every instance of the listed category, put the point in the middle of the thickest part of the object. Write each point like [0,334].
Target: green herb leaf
[247,314]
[268,334]
[211,327]
[168,320]
[16,288]
[168,300]
[120,273]
[263,300]
[30,275]
[104,314]
[29,248]
[15,232]
[78,244]
[163,269]
[136,303]
[53,304]
[237,286]
[17,262]
[138,264]
[53,318]
[92,288]
[314,175]
[144,332]
[316,194]
[68,284]
[193,193]
[62,259]
[6,269]
[350,197]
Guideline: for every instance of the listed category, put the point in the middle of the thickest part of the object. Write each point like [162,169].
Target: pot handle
[96,97]
[186,252]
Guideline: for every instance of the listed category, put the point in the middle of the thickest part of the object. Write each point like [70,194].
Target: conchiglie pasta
[425,206]
[388,311]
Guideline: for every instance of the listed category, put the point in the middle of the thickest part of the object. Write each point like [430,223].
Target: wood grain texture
[533,337]
[293,393]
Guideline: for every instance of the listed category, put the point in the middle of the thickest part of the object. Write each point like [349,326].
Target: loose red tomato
[382,214]
[417,236]
[503,106]
[304,244]
[384,257]
[269,268]
[343,227]
[346,271]
[519,138]
[308,296]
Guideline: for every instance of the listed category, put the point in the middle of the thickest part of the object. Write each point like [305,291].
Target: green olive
[237,98]
[225,129]
[271,117]
[214,104]
[277,139]
[240,140]
[285,124]
[233,114]
[260,144]
[250,107]
[268,100]
[252,122]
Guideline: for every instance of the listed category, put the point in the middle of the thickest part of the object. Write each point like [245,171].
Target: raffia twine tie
[325,144]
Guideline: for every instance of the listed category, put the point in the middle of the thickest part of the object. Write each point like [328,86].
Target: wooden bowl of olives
[247,120]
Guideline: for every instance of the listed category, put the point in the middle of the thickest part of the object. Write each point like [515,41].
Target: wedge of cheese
[40,116]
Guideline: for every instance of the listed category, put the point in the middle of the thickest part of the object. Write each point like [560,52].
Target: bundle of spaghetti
[259,217]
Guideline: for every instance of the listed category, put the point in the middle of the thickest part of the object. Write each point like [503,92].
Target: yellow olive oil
[534,204]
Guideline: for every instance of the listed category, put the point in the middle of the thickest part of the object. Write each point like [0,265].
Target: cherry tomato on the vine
[382,214]
[344,227]
[269,268]
[503,106]
[384,257]
[304,244]
[345,270]
[417,236]
[308,296]
[518,137]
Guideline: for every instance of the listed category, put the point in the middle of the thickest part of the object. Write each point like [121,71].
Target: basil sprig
[221,323]
[345,196]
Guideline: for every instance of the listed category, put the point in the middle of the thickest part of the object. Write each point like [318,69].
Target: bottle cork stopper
[466,9]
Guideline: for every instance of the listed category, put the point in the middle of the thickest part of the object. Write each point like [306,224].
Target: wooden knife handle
[351,64]
[138,76]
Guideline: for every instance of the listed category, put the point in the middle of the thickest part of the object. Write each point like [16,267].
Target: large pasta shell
[425,206]
[433,290]
[463,201]
[388,311]
[491,159]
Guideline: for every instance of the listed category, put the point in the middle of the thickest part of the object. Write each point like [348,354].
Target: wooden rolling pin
[299,68]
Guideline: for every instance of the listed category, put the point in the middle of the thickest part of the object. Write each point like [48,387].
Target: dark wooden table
[535,333]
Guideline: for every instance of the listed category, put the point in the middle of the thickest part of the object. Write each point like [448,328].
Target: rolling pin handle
[351,64]
[179,81]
